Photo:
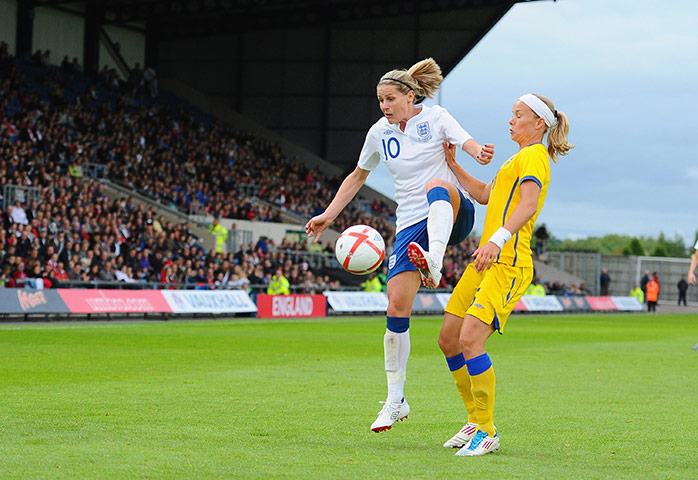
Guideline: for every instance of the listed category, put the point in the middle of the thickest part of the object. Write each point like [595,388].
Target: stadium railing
[314,259]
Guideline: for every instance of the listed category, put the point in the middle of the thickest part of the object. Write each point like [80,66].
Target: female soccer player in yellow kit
[492,285]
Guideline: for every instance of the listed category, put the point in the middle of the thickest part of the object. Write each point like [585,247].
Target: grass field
[594,396]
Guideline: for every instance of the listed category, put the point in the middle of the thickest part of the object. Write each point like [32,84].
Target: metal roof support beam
[90,46]
[25,28]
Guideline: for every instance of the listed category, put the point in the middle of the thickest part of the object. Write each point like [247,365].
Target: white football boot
[389,414]
[428,268]
[480,444]
[461,439]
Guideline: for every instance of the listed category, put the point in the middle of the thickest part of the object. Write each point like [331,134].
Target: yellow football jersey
[531,163]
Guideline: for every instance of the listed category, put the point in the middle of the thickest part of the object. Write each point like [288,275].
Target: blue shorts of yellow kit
[399,262]
[489,295]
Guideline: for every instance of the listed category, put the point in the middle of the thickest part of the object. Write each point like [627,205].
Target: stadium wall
[60,32]
[8,23]
[276,231]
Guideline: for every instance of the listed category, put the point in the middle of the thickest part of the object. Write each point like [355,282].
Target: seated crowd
[166,151]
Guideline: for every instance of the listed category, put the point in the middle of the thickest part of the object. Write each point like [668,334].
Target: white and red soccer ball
[360,249]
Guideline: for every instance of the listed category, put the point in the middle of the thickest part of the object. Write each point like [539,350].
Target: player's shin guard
[483,382]
[456,365]
[439,222]
[396,347]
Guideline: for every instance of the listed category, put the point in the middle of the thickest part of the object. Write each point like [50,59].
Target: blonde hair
[424,77]
[557,134]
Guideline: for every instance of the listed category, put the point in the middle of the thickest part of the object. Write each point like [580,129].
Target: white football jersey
[414,157]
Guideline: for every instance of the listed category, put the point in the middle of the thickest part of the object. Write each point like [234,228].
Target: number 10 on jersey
[391,148]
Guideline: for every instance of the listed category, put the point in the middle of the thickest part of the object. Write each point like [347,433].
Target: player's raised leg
[444,203]
[402,288]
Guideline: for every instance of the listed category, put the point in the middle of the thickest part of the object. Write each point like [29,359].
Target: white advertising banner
[627,303]
[443,299]
[209,301]
[543,303]
[357,301]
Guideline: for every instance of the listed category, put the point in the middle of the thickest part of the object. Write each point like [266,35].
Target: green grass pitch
[579,396]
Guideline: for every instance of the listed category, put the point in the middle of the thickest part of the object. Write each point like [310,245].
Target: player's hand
[692,278]
[485,256]
[450,150]
[316,226]
[486,154]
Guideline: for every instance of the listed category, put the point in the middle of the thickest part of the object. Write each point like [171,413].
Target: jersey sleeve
[369,158]
[451,131]
[533,165]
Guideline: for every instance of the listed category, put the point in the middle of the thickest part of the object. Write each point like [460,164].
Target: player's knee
[435,182]
[469,344]
[448,345]
[399,307]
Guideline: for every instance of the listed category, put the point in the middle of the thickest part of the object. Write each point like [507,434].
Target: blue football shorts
[399,262]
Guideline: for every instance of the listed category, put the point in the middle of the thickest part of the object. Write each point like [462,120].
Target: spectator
[643,283]
[652,294]
[535,288]
[604,282]
[638,294]
[19,214]
[220,233]
[542,236]
[151,81]
[278,284]
[683,287]
[372,284]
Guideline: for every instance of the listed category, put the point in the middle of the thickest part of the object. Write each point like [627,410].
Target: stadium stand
[57,124]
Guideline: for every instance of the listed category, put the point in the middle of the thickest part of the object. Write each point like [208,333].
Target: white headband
[541,109]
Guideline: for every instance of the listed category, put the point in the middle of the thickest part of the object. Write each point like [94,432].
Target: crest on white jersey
[424,131]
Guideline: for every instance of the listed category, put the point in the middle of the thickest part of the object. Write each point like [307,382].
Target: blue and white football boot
[480,444]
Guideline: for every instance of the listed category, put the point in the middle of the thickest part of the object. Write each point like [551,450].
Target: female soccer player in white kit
[433,209]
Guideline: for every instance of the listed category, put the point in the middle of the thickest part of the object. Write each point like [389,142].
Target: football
[360,249]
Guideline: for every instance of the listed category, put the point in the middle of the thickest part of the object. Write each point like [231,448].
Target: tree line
[614,244]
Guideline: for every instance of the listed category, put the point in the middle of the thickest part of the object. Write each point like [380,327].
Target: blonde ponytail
[424,77]
[557,134]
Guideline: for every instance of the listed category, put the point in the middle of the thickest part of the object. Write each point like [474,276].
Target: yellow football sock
[462,378]
[483,381]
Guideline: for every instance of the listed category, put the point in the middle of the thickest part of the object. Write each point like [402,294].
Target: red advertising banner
[269,306]
[601,303]
[114,301]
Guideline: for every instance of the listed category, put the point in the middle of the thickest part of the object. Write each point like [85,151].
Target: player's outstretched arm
[692,269]
[477,189]
[481,153]
[347,190]
[524,211]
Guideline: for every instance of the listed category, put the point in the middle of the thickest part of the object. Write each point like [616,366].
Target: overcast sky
[626,74]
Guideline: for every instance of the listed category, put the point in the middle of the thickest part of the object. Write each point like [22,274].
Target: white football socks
[439,227]
[396,347]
